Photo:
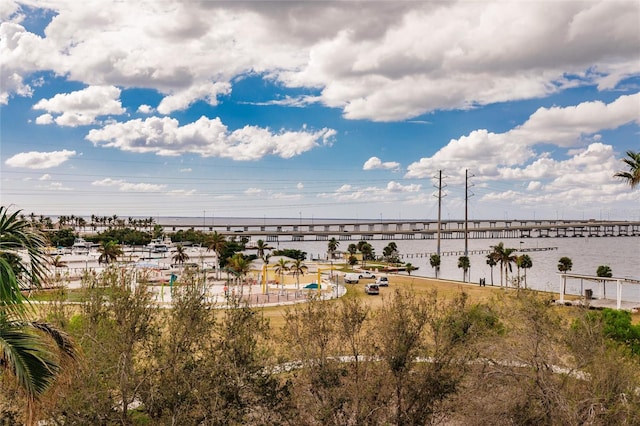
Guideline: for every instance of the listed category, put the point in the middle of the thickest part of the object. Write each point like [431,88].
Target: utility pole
[466,212]
[439,209]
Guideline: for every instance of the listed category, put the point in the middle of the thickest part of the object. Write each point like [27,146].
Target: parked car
[351,278]
[383,281]
[366,275]
[372,289]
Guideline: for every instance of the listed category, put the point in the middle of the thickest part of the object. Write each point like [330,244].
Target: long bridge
[346,230]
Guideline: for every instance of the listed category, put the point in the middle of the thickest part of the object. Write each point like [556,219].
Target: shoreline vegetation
[424,351]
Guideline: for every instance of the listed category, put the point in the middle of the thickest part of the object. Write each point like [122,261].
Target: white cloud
[45,176]
[490,154]
[375,60]
[145,109]
[80,108]
[300,186]
[253,191]
[206,137]
[375,163]
[39,160]
[125,186]
[186,170]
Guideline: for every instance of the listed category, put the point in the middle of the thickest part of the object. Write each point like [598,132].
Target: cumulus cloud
[39,160]
[80,108]
[125,186]
[501,155]
[375,60]
[375,163]
[300,185]
[206,137]
[145,109]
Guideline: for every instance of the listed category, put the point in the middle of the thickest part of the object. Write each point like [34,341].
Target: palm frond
[23,353]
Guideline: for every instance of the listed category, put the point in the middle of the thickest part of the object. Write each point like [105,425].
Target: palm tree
[464,263]
[240,266]
[604,271]
[367,252]
[57,262]
[109,251]
[505,256]
[281,267]
[434,260]
[525,263]
[332,246]
[298,268]
[24,347]
[181,255]
[409,268]
[632,177]
[261,247]
[491,261]
[216,242]
[564,264]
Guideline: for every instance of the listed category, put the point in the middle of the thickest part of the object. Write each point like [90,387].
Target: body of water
[621,254]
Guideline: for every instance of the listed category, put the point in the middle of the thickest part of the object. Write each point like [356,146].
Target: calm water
[621,254]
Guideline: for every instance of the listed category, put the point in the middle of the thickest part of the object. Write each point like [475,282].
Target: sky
[320,109]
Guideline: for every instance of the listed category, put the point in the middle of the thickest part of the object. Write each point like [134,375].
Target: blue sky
[319,109]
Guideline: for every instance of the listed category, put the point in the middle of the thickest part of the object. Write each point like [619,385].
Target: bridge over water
[272,230]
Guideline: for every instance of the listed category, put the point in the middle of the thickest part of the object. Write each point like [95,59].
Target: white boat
[81,246]
[159,245]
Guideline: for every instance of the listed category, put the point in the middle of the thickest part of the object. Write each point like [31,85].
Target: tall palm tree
[298,268]
[281,267]
[632,176]
[240,266]
[525,262]
[261,247]
[109,251]
[181,255]
[367,252]
[434,261]
[25,351]
[464,263]
[332,246]
[216,242]
[491,261]
[505,256]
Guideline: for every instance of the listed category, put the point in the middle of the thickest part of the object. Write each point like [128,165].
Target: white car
[367,275]
[371,289]
[382,281]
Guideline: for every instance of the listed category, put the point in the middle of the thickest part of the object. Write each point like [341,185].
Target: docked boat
[81,246]
[159,245]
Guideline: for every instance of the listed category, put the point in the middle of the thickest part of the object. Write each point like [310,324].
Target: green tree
[25,345]
[604,271]
[434,261]
[109,252]
[525,262]
[281,267]
[390,252]
[506,257]
[332,246]
[464,263]
[632,176]
[352,249]
[216,242]
[240,266]
[409,268]
[298,268]
[261,247]
[367,252]
[565,264]
[491,261]
[181,255]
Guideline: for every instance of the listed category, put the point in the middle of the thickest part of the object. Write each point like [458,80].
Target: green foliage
[292,253]
[618,326]
[604,271]
[189,235]
[122,236]
[62,237]
[565,264]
